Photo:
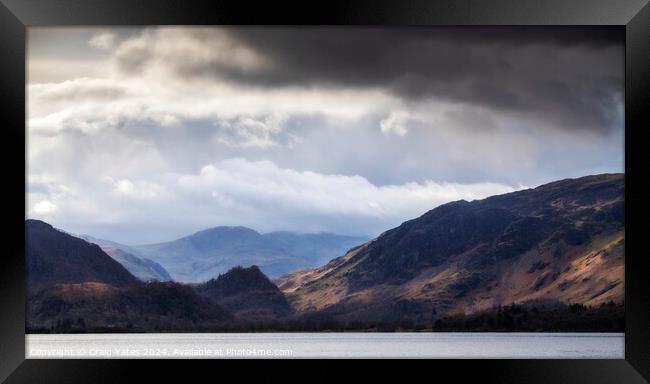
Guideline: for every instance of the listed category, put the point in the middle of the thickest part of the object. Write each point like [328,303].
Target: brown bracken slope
[558,243]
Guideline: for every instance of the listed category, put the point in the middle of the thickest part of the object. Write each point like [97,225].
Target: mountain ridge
[464,256]
[207,253]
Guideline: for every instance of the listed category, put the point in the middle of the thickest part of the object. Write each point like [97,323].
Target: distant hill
[247,293]
[206,254]
[561,242]
[141,267]
[55,257]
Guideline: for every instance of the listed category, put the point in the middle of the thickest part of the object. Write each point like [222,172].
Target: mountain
[247,293]
[73,285]
[141,267]
[55,257]
[561,243]
[206,254]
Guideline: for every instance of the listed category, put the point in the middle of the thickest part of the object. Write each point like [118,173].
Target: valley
[555,253]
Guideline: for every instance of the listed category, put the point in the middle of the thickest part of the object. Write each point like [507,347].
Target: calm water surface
[319,345]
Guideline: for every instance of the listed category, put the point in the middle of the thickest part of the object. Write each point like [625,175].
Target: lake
[328,345]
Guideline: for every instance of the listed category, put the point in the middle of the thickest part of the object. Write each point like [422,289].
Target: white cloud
[270,191]
[258,194]
[76,90]
[45,208]
[395,124]
[104,40]
[138,190]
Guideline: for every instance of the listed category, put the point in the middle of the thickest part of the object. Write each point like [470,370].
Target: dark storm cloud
[569,78]
[151,134]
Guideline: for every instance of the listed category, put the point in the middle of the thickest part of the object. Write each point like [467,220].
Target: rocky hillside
[248,294]
[561,242]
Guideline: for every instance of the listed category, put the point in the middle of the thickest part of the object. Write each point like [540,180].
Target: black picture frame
[17,15]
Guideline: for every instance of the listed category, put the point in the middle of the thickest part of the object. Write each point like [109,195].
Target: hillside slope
[89,307]
[55,257]
[562,242]
[74,286]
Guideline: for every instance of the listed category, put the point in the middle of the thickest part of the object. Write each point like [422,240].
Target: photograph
[352,191]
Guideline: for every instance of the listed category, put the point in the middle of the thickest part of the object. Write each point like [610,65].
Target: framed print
[459,183]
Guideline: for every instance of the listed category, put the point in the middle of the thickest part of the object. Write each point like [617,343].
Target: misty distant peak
[208,253]
[224,229]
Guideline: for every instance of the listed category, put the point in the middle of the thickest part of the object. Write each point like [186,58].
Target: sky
[142,135]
